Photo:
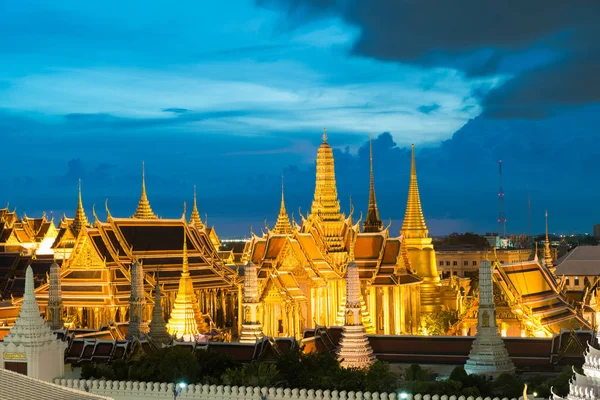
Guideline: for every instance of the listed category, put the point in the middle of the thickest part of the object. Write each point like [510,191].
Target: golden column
[419,245]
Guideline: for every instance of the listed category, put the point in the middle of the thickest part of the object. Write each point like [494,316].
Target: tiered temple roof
[538,298]
[98,272]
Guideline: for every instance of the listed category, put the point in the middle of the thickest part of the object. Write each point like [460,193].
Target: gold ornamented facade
[300,271]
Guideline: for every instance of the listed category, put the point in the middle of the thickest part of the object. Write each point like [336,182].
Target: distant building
[457,260]
[597,231]
[580,267]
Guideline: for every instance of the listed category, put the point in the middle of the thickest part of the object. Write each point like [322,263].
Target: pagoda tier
[251,327]
[488,355]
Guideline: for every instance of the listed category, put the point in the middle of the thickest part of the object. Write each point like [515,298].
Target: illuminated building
[301,273]
[96,262]
[158,328]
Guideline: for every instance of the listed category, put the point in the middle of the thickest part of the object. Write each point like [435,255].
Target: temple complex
[31,348]
[286,280]
[488,355]
[301,273]
[354,349]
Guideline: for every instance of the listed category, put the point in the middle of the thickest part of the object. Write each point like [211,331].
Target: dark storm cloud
[478,38]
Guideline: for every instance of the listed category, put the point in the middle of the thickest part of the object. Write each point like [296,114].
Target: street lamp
[403,395]
[177,388]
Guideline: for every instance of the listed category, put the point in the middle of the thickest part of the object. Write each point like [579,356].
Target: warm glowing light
[403,395]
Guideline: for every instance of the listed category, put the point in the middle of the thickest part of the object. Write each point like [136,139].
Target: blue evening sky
[229,96]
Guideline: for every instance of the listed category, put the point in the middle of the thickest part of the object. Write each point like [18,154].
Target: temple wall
[127,390]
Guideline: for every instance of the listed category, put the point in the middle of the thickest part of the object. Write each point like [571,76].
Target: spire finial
[195,217]
[324,135]
[282,225]
[80,220]
[372,223]
[548,262]
[144,211]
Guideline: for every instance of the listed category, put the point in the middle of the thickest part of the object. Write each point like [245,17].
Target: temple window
[576,281]
[448,263]
[455,263]
[466,263]
[441,263]
[474,262]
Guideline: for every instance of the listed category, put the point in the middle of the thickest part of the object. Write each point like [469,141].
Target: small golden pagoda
[419,245]
[144,211]
[186,320]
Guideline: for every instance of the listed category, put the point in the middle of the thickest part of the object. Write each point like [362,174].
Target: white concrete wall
[127,390]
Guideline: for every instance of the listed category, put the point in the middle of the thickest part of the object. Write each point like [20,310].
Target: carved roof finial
[80,221]
[282,226]
[195,217]
[144,211]
[324,135]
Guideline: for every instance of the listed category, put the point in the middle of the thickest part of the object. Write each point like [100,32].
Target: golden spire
[372,222]
[414,222]
[195,218]
[325,204]
[186,319]
[144,211]
[282,226]
[547,253]
[80,221]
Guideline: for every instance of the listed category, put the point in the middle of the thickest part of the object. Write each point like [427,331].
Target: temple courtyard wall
[128,390]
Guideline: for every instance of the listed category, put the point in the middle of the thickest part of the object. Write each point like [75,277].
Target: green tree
[439,321]
[380,379]
[169,364]
[416,373]
[507,385]
[214,365]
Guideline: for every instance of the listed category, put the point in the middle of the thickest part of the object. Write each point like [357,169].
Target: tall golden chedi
[419,245]
[325,213]
[186,320]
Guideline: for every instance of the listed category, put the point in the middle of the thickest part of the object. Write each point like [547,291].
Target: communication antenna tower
[501,215]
